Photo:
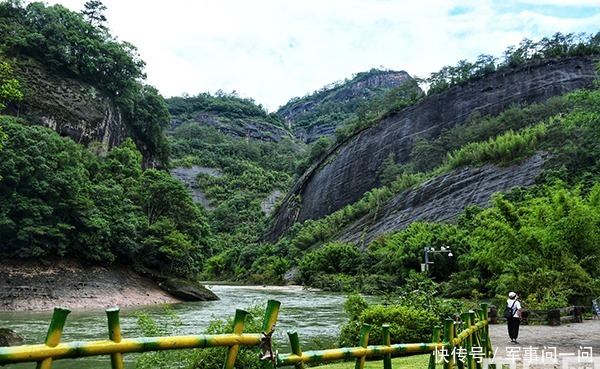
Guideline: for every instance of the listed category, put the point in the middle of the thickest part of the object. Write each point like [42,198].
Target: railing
[463,343]
[116,346]
[473,341]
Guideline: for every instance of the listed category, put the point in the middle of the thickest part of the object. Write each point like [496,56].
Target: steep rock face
[443,198]
[359,90]
[69,107]
[239,128]
[350,169]
[74,109]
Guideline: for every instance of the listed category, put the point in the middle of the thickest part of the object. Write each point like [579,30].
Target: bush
[206,358]
[407,325]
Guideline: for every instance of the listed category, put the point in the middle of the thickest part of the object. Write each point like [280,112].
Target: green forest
[59,199]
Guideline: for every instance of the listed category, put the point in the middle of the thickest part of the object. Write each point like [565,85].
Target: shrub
[407,325]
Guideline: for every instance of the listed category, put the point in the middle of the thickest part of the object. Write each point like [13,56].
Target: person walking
[516,316]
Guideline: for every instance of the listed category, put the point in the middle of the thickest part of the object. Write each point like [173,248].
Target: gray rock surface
[443,198]
[73,109]
[188,176]
[350,169]
[239,128]
[8,337]
[187,290]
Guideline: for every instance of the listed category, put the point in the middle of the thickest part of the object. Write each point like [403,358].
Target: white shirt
[515,307]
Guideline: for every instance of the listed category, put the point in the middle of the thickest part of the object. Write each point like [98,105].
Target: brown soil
[34,286]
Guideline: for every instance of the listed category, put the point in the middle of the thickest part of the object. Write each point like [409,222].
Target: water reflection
[316,316]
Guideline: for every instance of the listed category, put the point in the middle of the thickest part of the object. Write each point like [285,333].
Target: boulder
[8,337]
[187,290]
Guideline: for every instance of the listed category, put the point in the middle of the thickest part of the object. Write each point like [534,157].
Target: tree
[9,87]
[94,13]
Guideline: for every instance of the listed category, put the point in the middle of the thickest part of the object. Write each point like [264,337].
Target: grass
[404,362]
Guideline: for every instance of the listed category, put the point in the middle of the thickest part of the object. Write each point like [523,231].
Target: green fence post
[295,345]
[485,336]
[54,333]
[387,358]
[478,338]
[449,341]
[470,316]
[268,356]
[460,348]
[238,328]
[364,341]
[437,337]
[114,334]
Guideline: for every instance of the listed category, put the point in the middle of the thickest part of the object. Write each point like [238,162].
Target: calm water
[316,316]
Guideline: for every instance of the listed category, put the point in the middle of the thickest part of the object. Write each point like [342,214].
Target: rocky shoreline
[43,286]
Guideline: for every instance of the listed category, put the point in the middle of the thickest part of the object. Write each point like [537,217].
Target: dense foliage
[204,358]
[557,46]
[79,45]
[57,199]
[223,105]
[9,86]
[345,107]
[411,313]
[244,174]
[557,215]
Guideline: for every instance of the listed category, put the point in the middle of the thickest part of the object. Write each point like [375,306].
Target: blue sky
[274,50]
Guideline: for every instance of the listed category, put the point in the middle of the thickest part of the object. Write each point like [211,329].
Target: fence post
[295,345]
[449,341]
[485,336]
[387,358]
[268,357]
[470,323]
[114,334]
[437,338]
[54,333]
[238,328]
[364,342]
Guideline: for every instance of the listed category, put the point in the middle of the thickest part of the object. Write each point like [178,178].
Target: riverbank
[37,286]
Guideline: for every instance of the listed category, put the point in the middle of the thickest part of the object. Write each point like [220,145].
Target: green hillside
[60,199]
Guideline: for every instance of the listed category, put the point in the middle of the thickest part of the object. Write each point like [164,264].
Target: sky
[275,50]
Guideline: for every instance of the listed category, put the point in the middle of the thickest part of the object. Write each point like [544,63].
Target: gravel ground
[574,340]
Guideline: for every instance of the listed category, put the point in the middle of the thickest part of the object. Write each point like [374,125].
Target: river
[317,317]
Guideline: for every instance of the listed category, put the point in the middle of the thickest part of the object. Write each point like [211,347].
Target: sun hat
[512,295]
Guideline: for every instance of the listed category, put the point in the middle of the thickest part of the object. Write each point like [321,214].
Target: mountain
[350,168]
[319,114]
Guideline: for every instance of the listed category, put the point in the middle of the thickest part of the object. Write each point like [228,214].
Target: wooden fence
[463,342]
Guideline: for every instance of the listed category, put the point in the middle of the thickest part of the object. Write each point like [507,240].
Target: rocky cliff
[72,108]
[350,168]
[241,128]
[443,198]
[344,96]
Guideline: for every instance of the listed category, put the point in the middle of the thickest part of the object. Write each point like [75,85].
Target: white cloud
[273,50]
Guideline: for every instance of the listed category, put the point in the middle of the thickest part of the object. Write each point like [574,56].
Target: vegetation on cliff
[79,45]
[58,199]
[528,235]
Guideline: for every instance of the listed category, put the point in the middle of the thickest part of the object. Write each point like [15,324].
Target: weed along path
[573,340]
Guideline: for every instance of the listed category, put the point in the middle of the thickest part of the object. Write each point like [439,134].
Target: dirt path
[570,340]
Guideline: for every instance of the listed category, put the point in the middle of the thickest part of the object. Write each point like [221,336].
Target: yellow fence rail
[464,343]
[460,343]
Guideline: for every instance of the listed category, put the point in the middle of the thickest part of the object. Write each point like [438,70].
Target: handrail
[115,346]
[474,332]
[476,322]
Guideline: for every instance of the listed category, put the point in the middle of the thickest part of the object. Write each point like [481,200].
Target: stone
[8,337]
[350,168]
